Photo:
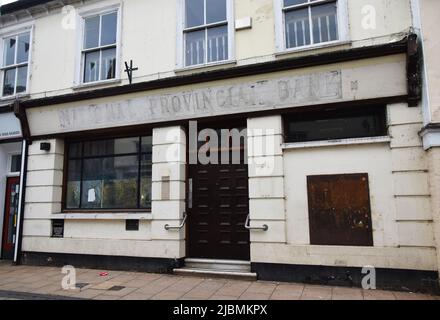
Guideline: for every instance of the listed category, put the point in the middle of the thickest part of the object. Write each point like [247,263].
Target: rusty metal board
[339,210]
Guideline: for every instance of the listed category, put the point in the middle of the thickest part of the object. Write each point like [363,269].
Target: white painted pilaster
[266,179]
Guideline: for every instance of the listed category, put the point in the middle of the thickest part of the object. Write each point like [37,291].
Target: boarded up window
[339,210]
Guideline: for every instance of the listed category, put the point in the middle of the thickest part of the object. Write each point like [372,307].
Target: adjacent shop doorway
[218,200]
[10,217]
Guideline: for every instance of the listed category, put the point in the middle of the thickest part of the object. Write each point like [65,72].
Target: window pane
[195,13]
[75,150]
[293,2]
[9,51]
[108,64]
[126,145]
[297,28]
[324,23]
[15,163]
[111,147]
[215,10]
[91,66]
[99,148]
[108,29]
[147,144]
[9,82]
[218,44]
[21,79]
[91,32]
[23,48]
[73,184]
[342,125]
[145,192]
[195,47]
[110,183]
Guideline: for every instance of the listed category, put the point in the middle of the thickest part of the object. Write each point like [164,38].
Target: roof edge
[20,5]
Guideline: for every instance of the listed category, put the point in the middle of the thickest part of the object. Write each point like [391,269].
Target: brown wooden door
[217,211]
[10,217]
[339,210]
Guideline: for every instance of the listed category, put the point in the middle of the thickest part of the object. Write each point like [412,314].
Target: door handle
[247,225]
[180,226]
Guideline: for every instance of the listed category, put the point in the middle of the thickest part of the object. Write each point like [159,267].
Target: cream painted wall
[149,38]
[392,16]
[403,231]
[373,159]
[53,56]
[361,79]
[43,203]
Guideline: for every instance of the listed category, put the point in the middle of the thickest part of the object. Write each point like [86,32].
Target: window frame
[181,29]
[10,173]
[83,14]
[280,32]
[11,32]
[139,209]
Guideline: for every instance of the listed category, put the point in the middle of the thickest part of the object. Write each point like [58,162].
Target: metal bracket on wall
[168,227]
[247,225]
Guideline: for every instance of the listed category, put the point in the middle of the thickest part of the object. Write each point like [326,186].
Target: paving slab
[44,283]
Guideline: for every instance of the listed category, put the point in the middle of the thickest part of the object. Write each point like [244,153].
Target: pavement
[45,283]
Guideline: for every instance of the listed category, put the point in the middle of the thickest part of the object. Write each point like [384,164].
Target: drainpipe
[20,113]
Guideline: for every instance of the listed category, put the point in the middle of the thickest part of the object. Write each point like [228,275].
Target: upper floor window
[312,22]
[206,31]
[99,49]
[15,64]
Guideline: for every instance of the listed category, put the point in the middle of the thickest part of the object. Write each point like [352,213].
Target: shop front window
[109,174]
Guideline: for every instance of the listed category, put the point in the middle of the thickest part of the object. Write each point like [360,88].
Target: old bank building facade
[120,103]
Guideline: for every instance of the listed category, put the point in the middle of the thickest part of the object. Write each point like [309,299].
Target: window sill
[12,174]
[206,66]
[339,142]
[96,84]
[312,47]
[103,216]
[15,97]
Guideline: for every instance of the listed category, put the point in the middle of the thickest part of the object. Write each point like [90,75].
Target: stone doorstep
[226,274]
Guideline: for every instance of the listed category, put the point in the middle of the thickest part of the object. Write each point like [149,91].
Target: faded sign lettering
[237,98]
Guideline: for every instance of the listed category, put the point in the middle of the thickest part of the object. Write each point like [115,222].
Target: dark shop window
[336,124]
[109,174]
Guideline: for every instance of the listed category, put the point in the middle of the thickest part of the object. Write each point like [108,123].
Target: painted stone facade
[368,68]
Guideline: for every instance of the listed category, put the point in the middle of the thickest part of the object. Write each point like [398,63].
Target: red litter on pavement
[103,274]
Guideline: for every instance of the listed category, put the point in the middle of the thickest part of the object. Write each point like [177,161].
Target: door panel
[217,211]
[10,217]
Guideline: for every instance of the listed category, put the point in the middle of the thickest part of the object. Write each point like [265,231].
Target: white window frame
[180,52]
[90,11]
[11,32]
[280,34]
